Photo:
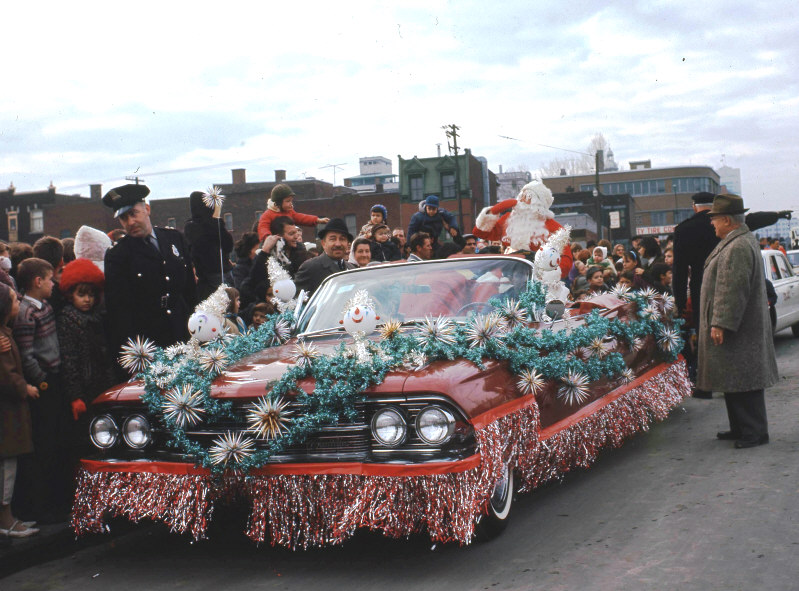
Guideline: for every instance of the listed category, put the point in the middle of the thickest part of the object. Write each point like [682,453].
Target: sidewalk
[52,542]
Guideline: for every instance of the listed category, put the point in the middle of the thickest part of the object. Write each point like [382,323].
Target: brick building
[26,217]
[662,196]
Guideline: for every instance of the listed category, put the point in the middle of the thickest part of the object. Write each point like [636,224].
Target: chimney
[378,187]
[562,172]
[95,192]
[239,176]
[280,176]
[500,169]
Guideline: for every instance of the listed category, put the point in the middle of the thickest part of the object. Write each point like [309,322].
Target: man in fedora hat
[149,278]
[694,240]
[736,350]
[335,239]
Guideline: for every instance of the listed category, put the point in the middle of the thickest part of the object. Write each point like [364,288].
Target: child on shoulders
[383,248]
[281,202]
[377,215]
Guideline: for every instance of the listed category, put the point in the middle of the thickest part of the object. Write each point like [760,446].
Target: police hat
[121,199]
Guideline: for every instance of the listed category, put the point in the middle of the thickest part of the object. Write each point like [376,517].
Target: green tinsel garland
[341,378]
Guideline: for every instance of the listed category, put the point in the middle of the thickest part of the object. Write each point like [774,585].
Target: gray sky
[97,91]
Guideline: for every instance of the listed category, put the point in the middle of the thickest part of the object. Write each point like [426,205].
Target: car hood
[473,389]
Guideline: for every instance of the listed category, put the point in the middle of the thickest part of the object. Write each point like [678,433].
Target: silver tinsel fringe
[300,511]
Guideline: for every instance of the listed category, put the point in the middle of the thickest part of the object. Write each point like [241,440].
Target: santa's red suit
[524,223]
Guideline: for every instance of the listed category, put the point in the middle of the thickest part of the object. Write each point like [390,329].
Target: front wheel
[490,525]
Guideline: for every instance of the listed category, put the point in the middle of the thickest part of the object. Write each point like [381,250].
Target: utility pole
[598,194]
[451,131]
[334,167]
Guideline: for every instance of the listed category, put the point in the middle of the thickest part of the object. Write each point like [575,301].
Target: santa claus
[524,223]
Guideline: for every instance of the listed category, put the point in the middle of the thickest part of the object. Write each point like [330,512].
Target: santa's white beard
[526,228]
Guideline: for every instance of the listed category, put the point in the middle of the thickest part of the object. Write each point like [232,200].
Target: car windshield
[794,258]
[452,288]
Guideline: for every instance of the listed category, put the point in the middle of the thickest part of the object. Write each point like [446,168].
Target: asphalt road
[672,509]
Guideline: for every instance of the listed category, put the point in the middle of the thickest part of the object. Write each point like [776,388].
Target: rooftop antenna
[134,179]
[334,167]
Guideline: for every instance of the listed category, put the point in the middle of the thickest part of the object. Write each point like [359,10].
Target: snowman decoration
[360,320]
[208,321]
[547,269]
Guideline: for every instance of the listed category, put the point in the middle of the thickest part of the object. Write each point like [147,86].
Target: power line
[545,145]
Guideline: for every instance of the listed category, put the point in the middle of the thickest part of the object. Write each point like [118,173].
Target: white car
[786,283]
[793,258]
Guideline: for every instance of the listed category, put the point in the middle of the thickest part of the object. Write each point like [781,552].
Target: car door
[789,291]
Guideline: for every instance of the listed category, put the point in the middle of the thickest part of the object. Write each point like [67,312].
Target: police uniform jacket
[149,292]
[694,240]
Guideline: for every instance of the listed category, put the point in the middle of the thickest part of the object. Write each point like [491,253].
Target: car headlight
[136,431]
[103,431]
[389,427]
[435,425]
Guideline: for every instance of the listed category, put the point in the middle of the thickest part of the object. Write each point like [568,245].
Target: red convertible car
[472,387]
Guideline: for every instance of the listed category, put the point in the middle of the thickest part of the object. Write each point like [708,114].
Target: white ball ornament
[205,327]
[284,290]
[360,319]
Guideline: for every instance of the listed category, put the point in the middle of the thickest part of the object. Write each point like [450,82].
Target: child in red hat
[85,363]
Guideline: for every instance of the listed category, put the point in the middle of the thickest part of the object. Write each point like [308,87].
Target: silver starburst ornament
[433,330]
[636,345]
[667,303]
[304,354]
[183,406]
[650,312]
[599,347]
[281,332]
[136,355]
[574,389]
[513,313]
[668,339]
[649,294]
[483,328]
[627,376]
[621,291]
[213,360]
[163,374]
[231,448]
[213,198]
[530,381]
[267,418]
[415,360]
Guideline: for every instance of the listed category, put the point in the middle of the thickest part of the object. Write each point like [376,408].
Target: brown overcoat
[734,298]
[15,417]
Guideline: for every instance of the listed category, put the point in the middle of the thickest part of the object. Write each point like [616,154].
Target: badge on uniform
[175,250]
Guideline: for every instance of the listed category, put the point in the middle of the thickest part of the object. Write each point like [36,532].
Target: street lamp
[598,194]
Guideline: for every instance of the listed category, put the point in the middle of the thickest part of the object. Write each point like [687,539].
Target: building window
[659,218]
[352,227]
[13,235]
[229,222]
[417,187]
[170,223]
[37,221]
[448,186]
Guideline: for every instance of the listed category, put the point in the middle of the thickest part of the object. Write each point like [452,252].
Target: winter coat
[273,211]
[86,367]
[203,234]
[15,417]
[421,222]
[385,251]
[734,299]
[240,272]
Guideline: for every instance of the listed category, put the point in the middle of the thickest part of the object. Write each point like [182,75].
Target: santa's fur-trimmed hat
[81,271]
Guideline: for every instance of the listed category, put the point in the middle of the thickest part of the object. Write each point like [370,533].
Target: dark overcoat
[149,292]
[734,298]
[313,271]
[15,416]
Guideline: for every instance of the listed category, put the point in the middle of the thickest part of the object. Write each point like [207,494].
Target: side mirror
[555,309]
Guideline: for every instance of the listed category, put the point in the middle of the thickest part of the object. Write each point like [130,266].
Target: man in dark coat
[335,239]
[736,348]
[149,279]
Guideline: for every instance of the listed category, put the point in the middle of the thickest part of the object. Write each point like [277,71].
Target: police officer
[149,279]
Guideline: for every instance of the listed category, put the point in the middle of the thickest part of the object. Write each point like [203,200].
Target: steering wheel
[474,306]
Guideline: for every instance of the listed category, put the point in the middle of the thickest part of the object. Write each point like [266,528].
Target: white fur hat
[91,244]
